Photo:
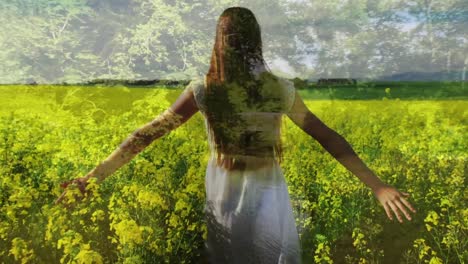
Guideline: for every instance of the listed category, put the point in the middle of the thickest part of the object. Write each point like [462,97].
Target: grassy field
[393,90]
[151,210]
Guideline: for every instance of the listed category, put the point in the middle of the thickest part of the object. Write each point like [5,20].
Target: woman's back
[248,211]
[250,130]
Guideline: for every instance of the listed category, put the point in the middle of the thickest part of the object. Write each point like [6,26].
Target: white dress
[248,212]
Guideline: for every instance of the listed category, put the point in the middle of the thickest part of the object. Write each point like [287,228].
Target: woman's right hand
[81,183]
[393,199]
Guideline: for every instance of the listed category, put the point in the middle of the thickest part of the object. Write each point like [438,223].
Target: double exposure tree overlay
[55,41]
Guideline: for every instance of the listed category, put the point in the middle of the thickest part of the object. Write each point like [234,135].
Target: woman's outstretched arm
[341,150]
[179,112]
[333,142]
[184,108]
[137,142]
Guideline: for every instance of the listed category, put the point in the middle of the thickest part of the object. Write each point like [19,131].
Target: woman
[248,210]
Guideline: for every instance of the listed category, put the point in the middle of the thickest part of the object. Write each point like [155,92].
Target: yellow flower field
[151,210]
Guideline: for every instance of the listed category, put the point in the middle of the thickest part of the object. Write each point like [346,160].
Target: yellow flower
[97,215]
[129,232]
[21,251]
[88,256]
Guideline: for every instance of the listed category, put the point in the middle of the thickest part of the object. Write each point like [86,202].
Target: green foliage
[56,41]
[151,210]
[299,83]
[390,90]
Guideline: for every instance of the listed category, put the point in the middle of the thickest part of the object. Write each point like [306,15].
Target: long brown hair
[232,87]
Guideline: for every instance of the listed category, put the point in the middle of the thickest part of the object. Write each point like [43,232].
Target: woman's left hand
[393,199]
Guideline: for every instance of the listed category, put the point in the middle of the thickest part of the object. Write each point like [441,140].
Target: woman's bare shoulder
[197,81]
